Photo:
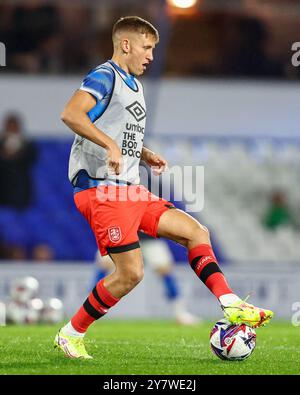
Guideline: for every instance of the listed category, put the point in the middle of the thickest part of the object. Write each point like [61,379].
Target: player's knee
[133,277]
[136,276]
[199,234]
[205,230]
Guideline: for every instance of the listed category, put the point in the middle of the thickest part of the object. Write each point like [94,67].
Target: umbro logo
[137,110]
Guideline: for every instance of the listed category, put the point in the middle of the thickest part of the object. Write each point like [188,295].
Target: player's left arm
[155,161]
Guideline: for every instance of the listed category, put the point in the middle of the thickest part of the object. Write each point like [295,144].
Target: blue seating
[53,218]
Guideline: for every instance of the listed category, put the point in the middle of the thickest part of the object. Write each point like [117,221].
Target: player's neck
[119,62]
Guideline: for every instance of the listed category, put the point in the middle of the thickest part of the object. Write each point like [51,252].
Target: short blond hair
[134,24]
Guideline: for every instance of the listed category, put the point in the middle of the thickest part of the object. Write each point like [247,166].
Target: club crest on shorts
[114,234]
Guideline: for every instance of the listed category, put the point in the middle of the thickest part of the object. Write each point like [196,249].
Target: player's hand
[114,159]
[157,163]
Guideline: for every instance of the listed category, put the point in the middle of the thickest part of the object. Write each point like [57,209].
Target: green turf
[146,347]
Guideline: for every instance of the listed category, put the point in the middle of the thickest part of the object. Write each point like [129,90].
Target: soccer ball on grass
[232,342]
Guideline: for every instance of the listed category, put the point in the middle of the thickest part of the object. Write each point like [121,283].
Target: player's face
[141,53]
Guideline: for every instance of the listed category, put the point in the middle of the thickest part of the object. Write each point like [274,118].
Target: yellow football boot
[71,346]
[241,312]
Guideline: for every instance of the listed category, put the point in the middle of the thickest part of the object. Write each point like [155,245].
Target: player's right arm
[75,116]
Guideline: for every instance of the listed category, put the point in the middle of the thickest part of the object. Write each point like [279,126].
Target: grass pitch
[146,347]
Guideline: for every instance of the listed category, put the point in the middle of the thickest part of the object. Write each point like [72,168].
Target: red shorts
[117,213]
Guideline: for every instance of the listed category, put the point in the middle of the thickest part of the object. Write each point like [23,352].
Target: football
[232,342]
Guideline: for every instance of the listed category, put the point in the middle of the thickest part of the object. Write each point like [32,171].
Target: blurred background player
[158,256]
[278,213]
[17,157]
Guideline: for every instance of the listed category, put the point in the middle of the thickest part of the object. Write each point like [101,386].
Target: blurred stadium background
[222,92]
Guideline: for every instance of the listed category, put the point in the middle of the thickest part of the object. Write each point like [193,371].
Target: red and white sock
[204,263]
[96,306]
